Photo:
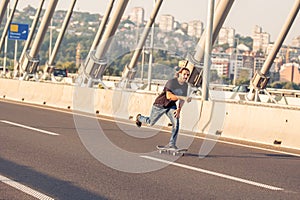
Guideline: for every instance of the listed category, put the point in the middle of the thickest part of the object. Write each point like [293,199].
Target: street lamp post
[150,58]
[143,63]
[236,62]
[208,47]
[51,27]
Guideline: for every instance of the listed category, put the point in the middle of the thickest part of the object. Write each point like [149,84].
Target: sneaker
[137,122]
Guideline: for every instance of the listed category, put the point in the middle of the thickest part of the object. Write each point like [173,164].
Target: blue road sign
[18,31]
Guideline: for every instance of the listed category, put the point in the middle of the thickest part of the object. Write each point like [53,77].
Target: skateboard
[174,152]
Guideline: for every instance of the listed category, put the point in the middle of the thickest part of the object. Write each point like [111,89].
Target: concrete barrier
[263,123]
[257,122]
[10,89]
[56,95]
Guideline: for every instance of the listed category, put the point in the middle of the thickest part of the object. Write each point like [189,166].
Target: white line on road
[24,188]
[215,174]
[241,145]
[28,127]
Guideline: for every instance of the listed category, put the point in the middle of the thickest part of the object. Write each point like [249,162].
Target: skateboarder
[175,89]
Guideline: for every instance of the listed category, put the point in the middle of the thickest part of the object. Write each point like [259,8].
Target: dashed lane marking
[24,188]
[28,127]
[241,145]
[261,185]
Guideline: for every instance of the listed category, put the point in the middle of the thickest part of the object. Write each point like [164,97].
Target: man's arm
[181,99]
[174,97]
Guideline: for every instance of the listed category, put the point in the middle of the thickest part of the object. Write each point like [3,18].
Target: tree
[277,85]
[70,66]
[291,86]
[214,76]
[248,41]
[226,80]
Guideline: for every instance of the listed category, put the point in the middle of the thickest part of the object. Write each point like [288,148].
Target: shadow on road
[53,187]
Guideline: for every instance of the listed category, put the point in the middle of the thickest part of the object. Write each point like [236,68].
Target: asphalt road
[56,154]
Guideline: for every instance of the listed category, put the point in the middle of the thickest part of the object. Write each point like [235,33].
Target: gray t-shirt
[173,86]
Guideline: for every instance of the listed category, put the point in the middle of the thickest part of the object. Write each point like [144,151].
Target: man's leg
[156,113]
[175,126]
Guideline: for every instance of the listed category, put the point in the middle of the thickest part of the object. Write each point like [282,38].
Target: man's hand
[177,113]
[188,99]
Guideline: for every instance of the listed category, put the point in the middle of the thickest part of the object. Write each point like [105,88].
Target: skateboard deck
[174,152]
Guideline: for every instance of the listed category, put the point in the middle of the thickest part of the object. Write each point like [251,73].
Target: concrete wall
[55,95]
[257,122]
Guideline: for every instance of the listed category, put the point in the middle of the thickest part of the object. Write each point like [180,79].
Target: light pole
[208,47]
[150,58]
[236,62]
[5,45]
[151,54]
[143,63]
[51,27]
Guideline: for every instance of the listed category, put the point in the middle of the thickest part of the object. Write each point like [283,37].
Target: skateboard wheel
[174,153]
[160,151]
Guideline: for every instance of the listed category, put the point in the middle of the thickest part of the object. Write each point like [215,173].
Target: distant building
[166,23]
[236,66]
[243,48]
[287,53]
[290,72]
[137,15]
[195,28]
[296,42]
[180,31]
[176,25]
[226,36]
[256,29]
[258,63]
[261,40]
[291,54]
[184,27]
[248,62]
[221,63]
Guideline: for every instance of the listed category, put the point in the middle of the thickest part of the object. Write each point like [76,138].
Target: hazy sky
[244,14]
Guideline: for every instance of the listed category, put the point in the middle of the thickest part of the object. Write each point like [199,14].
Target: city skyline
[253,12]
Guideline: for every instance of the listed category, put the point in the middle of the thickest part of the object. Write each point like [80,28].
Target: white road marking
[24,188]
[215,174]
[28,127]
[241,145]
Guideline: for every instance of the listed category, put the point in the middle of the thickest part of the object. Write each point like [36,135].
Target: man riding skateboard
[175,89]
